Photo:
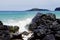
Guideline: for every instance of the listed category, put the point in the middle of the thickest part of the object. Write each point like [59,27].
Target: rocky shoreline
[43,27]
[5,32]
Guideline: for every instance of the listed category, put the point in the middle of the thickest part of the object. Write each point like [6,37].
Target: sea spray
[21,23]
[23,26]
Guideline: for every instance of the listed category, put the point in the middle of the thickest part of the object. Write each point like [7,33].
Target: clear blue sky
[28,4]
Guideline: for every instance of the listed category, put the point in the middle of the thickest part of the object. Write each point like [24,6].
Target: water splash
[20,23]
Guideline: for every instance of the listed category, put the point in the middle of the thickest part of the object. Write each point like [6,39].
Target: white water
[22,26]
[21,23]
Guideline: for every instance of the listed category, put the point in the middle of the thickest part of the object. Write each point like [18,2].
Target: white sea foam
[20,23]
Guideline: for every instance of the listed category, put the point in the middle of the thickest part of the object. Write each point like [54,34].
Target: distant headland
[57,9]
[37,9]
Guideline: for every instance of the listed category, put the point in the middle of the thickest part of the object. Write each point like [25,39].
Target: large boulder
[42,19]
[45,27]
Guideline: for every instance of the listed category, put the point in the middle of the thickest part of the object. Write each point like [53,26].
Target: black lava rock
[4,32]
[45,27]
[18,37]
[49,37]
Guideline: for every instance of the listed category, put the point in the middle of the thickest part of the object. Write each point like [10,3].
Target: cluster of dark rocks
[45,27]
[5,33]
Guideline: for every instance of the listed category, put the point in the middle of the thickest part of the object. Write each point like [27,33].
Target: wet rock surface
[42,27]
[18,37]
[45,27]
[5,31]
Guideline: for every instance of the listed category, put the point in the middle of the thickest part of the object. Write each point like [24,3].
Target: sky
[20,5]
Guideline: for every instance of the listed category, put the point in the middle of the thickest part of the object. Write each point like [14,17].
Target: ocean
[21,18]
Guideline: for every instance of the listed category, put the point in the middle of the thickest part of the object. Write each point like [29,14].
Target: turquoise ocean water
[21,18]
[21,15]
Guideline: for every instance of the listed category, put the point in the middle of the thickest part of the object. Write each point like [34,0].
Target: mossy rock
[13,29]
